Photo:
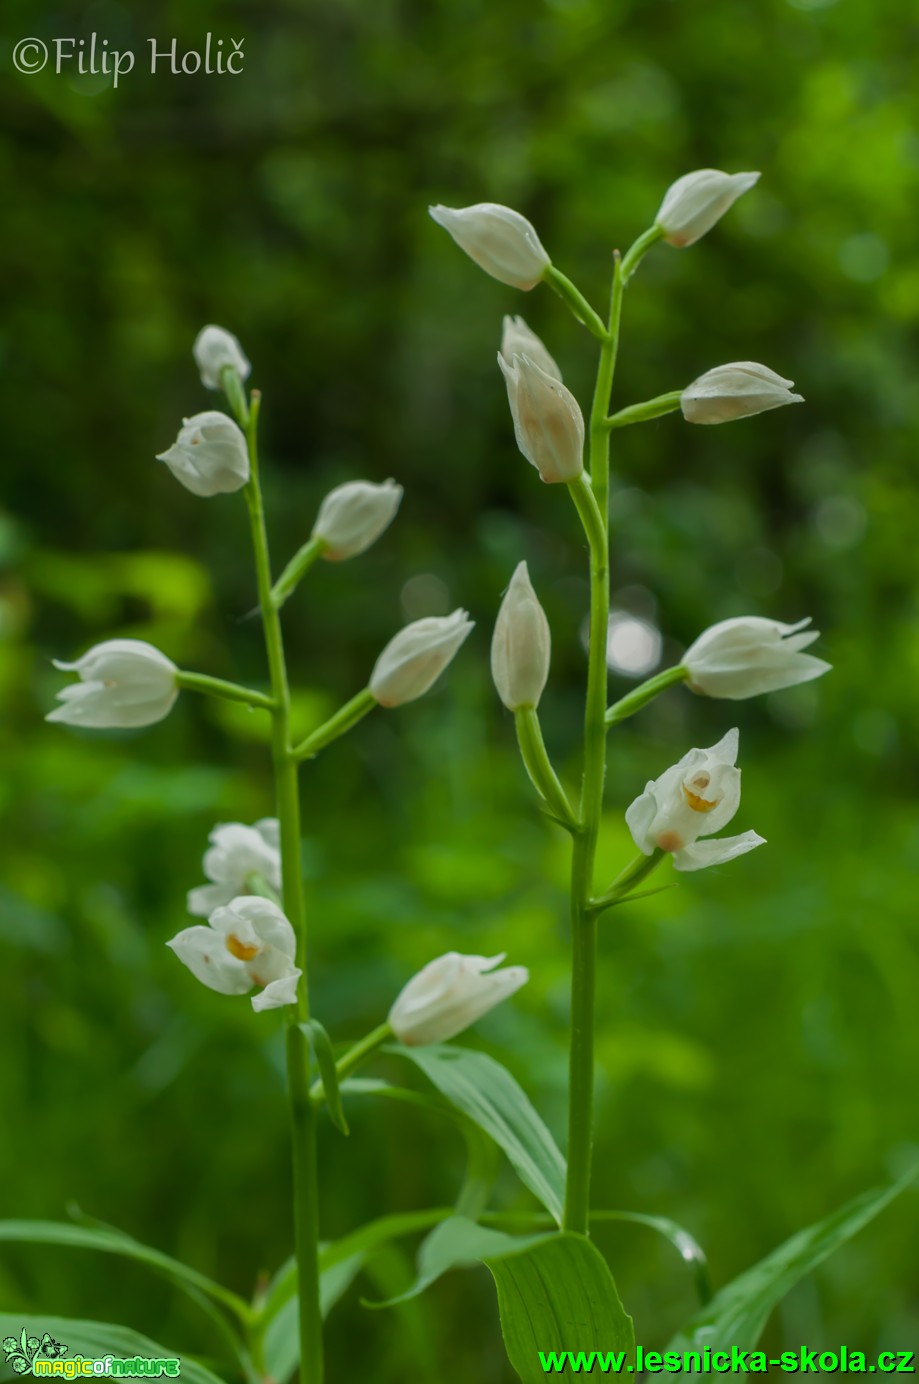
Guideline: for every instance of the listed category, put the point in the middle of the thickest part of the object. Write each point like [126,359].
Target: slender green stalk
[346,717]
[641,696]
[296,569]
[302,1112]
[355,1057]
[643,413]
[576,302]
[539,766]
[636,253]
[625,882]
[229,691]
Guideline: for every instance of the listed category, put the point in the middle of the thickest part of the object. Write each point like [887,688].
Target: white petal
[202,902]
[204,952]
[277,993]
[639,817]
[704,853]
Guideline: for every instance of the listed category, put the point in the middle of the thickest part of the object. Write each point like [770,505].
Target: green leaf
[555,1291]
[559,1295]
[686,1245]
[281,1341]
[737,1314]
[111,1241]
[321,1044]
[489,1095]
[94,1340]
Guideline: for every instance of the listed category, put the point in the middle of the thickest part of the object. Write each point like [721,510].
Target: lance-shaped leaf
[321,1044]
[95,1340]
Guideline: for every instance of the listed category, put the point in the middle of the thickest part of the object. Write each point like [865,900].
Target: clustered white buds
[501,241]
[449,994]
[123,683]
[694,798]
[209,456]
[353,516]
[416,656]
[214,350]
[249,942]
[548,423]
[693,204]
[237,851]
[517,339]
[738,390]
[748,655]
[521,646]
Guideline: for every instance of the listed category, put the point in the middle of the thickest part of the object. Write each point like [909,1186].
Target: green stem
[576,301]
[636,252]
[229,691]
[643,413]
[625,882]
[296,570]
[355,1057]
[641,696]
[539,766]
[346,717]
[583,920]
[302,1113]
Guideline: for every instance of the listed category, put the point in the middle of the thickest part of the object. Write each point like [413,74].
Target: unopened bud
[548,423]
[518,340]
[214,350]
[353,516]
[501,241]
[734,391]
[416,657]
[522,645]
[209,456]
[449,994]
[693,204]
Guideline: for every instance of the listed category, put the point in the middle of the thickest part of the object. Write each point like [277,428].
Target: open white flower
[249,942]
[236,851]
[215,349]
[693,204]
[749,655]
[449,994]
[123,683]
[209,456]
[548,423]
[501,241]
[695,798]
[517,339]
[352,517]
[522,644]
[738,390]
[416,656]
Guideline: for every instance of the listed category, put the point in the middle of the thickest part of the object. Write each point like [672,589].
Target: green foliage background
[759,1038]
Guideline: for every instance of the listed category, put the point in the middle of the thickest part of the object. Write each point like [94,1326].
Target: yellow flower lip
[243,951]
[695,800]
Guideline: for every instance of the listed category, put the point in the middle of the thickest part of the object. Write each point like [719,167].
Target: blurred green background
[758,1041]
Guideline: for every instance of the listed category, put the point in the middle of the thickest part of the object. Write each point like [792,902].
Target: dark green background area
[758,1040]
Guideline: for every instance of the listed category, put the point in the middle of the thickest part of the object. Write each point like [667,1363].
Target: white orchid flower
[416,656]
[215,348]
[748,655]
[123,683]
[694,798]
[500,240]
[449,994]
[236,851]
[249,942]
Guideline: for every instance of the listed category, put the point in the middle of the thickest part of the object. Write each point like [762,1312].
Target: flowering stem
[229,691]
[636,252]
[641,696]
[346,717]
[643,413]
[576,302]
[302,1113]
[296,569]
[592,502]
[539,766]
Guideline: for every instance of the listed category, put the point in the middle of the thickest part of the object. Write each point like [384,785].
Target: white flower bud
[697,797]
[209,456]
[521,646]
[449,994]
[123,682]
[738,390]
[214,350]
[518,340]
[353,516]
[548,423]
[693,204]
[749,655]
[248,942]
[415,657]
[501,241]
